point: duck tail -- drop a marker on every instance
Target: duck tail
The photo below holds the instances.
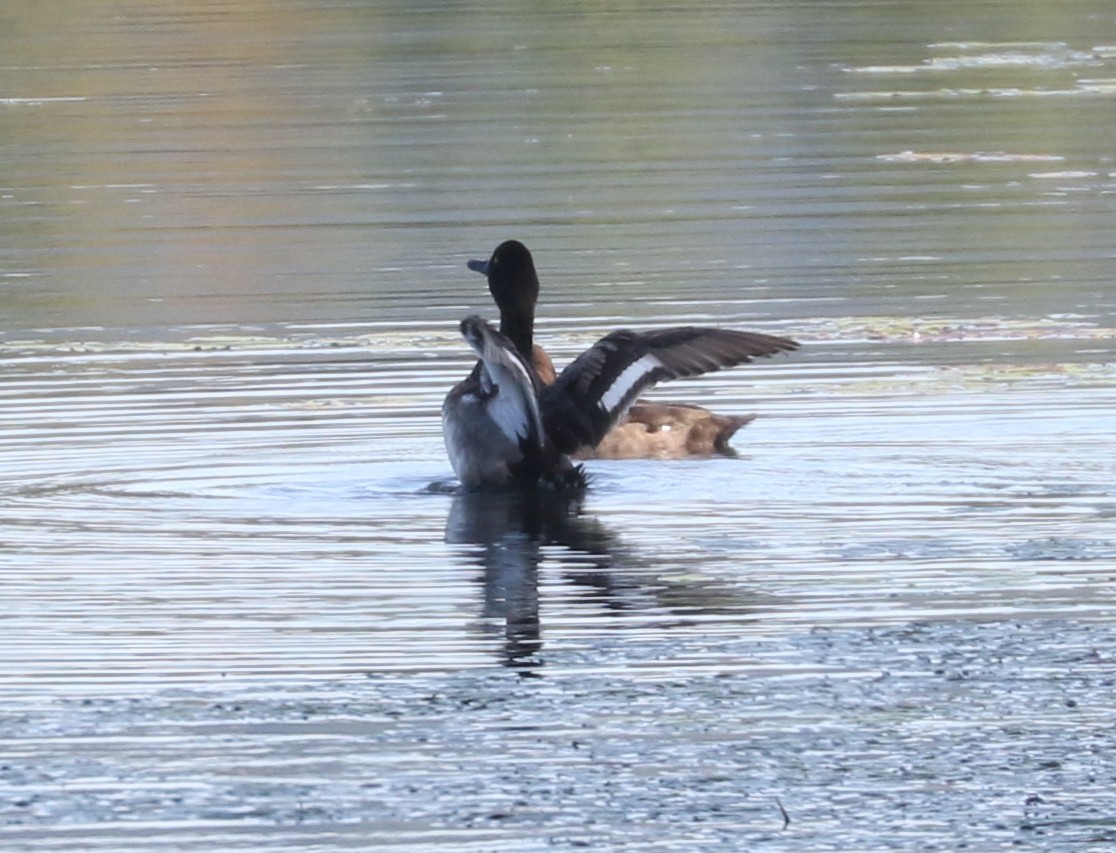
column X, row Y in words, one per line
column 725, row 428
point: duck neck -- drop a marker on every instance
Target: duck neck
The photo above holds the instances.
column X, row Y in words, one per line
column 519, row 327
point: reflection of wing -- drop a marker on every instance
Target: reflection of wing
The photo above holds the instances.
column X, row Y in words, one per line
column 516, row 529
column 510, row 555
column 513, row 528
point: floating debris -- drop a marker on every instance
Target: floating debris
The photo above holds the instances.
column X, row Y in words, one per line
column 980, row 56
column 967, row 157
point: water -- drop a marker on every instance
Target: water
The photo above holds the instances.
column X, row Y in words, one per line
column 244, row 609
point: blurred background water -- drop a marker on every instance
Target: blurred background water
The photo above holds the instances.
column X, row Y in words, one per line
column 232, row 261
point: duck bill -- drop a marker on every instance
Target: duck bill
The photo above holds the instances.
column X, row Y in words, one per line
column 478, row 266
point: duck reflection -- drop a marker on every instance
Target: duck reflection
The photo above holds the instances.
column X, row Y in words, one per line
column 514, row 529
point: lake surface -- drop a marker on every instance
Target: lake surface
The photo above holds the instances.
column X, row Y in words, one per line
column 243, row 607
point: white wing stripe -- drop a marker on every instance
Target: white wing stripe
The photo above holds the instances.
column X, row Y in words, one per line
column 627, row 380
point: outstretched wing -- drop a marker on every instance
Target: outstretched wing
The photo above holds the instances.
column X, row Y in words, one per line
column 507, row 384
column 595, row 391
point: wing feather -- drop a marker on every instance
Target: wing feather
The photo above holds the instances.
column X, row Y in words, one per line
column 507, row 382
column 595, row 391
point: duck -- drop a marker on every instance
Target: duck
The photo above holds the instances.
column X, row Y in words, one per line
column 504, row 426
column 649, row 429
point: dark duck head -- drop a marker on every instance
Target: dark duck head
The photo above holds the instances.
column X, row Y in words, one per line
column 650, row 429
column 504, row 426
column 514, row 285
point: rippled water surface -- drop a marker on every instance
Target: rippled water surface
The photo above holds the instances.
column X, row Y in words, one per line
column 244, row 607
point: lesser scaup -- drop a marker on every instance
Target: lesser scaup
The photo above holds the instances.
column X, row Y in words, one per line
column 503, row 425
column 649, row 428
